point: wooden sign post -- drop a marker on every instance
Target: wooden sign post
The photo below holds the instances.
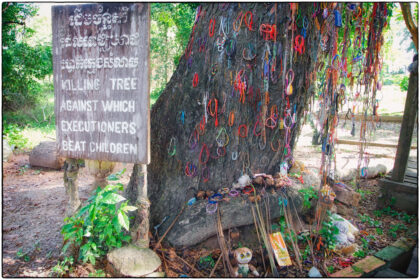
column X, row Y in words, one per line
column 101, row 81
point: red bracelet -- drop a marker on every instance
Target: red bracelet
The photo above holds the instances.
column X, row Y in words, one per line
column 247, row 190
column 248, row 23
column 214, row 113
column 211, row 27
column 220, row 154
column 246, row 131
column 190, row 169
column 206, row 175
column 299, row 46
column 195, row 80
column 207, row 152
column 255, row 126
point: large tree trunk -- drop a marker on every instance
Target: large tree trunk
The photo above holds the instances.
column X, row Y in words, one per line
column 182, row 106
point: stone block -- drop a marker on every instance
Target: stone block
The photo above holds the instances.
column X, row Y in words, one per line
column 45, row 155
column 404, row 243
column 413, row 268
column 7, row 151
column 342, row 209
column 369, row 264
column 348, row 272
column 389, row 273
column 132, row 261
column 346, row 195
column 389, row 253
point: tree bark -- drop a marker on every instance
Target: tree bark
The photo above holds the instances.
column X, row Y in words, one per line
column 136, row 193
column 411, row 26
column 183, row 105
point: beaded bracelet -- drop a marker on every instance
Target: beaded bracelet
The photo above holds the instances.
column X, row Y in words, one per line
column 215, row 198
column 233, row 193
column 247, row 190
column 211, row 208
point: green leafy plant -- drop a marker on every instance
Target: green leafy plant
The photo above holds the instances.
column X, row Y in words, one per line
column 330, row 269
column 359, row 254
column 14, row 137
column 63, row 267
column 207, row 261
column 329, row 232
column 357, row 269
column 23, row 255
column 308, row 195
column 378, row 213
column 407, row 218
column 392, row 201
column 306, row 252
column 98, row 226
column 117, row 176
column 97, row 273
column 396, row 228
column 365, row 243
column 379, row 231
column 363, row 193
column 22, row 170
column 404, row 84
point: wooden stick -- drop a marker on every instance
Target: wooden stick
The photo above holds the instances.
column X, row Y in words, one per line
column 190, row 266
column 169, row 228
column 222, row 244
column 214, row 268
column 258, row 236
column 164, row 263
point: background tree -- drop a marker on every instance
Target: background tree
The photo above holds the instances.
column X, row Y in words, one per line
column 24, row 65
column 411, row 20
column 171, row 25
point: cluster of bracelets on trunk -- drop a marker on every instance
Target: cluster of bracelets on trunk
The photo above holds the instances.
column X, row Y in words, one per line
column 214, row 199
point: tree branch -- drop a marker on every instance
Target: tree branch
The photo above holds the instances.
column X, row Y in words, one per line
column 411, row 26
column 13, row 22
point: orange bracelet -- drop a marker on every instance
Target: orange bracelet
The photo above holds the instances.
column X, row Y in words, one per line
column 231, row 118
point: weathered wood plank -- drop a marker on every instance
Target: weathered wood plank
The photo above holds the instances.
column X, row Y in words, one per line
column 358, row 117
column 398, row 186
column 408, row 174
column 373, row 144
column 101, row 81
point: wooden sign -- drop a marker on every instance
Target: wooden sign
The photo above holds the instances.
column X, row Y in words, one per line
column 101, row 81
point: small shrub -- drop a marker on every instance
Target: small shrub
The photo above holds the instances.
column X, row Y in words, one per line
column 63, row 267
column 99, row 226
column 14, row 137
column 329, row 232
column 404, row 84
column 308, row 195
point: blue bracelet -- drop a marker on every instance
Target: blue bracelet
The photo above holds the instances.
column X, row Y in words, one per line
column 212, row 199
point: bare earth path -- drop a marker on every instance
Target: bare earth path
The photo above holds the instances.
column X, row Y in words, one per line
column 33, row 211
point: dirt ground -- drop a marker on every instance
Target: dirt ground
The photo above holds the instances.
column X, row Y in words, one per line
column 34, row 202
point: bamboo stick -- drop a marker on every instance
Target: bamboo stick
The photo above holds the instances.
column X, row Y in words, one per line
column 169, row 228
